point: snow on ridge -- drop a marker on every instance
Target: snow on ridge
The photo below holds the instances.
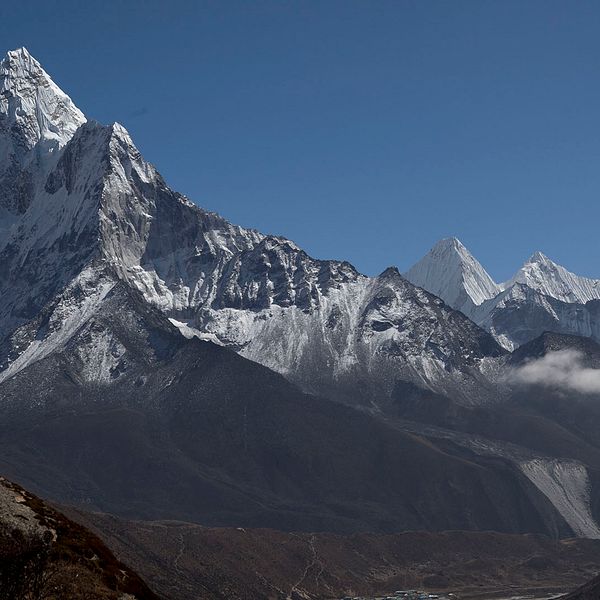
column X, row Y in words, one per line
column 186, row 261
column 37, row 120
column 191, row 332
column 549, row 294
column 551, row 279
column 451, row 272
column 78, row 304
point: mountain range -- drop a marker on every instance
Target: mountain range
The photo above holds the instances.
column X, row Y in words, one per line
column 541, row 296
column 159, row 362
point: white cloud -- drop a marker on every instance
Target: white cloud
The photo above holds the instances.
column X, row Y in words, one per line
column 561, row 369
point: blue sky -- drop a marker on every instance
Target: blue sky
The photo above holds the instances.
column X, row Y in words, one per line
column 363, row 131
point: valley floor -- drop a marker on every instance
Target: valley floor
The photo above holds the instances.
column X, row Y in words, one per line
column 245, row 564
column 466, row 595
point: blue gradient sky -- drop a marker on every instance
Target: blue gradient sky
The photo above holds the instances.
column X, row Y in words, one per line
column 362, row 130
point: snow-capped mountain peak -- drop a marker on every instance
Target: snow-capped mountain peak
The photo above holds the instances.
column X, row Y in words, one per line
column 30, row 100
column 542, row 274
column 451, row 272
column 542, row 295
column 539, row 257
column 37, row 120
column 83, row 217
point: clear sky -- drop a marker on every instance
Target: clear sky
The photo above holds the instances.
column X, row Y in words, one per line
column 361, row 130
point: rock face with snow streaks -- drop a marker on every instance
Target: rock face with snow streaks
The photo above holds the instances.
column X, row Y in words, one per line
column 546, row 277
column 36, row 120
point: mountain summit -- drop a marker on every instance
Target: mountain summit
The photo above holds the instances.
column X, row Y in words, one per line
column 451, row 272
column 36, row 119
column 545, row 276
column 33, row 104
column 541, row 296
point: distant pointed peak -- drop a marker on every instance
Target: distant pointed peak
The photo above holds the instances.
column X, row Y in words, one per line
column 19, row 50
column 448, row 251
column 547, row 277
column 451, row 247
column 539, row 257
column 120, row 138
column 19, row 54
column 390, row 272
column 540, row 260
column 451, row 272
column 449, row 243
column 118, row 131
column 19, row 63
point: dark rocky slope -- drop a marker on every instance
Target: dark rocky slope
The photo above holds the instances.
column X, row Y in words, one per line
column 45, row 555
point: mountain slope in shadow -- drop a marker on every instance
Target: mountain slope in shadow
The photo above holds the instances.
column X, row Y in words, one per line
column 166, row 427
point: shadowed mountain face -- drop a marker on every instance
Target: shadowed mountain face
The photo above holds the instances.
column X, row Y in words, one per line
column 552, row 342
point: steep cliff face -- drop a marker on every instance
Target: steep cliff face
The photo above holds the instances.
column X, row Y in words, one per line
column 36, row 120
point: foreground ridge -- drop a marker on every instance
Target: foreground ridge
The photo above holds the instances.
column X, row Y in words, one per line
column 44, row 554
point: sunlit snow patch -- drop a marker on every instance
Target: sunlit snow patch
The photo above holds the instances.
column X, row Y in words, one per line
column 190, row 332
